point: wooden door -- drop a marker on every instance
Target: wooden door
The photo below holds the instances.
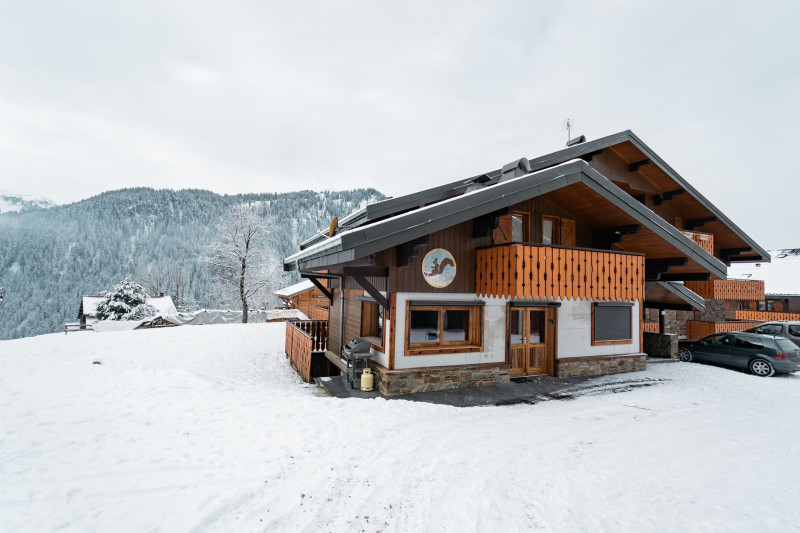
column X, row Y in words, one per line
column 531, row 340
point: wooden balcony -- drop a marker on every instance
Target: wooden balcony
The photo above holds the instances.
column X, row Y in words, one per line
column 696, row 329
column 728, row 289
column 703, row 240
column 650, row 326
column 763, row 316
column 304, row 340
column 546, row 272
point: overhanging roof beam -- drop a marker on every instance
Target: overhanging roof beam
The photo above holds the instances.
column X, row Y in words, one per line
column 633, row 167
column 358, row 274
column 686, row 276
column 313, row 279
column 697, row 222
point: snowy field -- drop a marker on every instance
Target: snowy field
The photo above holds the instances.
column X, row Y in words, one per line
column 207, row 428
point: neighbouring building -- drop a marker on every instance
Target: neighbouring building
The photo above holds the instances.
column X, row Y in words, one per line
column 305, row 297
column 545, row 266
column 87, row 312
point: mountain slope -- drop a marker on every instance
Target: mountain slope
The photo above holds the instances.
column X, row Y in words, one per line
column 49, row 258
column 11, row 202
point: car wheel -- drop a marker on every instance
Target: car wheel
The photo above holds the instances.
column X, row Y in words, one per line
column 685, row 355
column 761, row 367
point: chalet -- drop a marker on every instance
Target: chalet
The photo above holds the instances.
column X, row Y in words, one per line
column 305, row 297
column 544, row 266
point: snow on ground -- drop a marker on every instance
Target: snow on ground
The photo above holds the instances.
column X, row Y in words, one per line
column 207, row 428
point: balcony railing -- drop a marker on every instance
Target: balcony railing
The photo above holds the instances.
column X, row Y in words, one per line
column 703, row 240
column 303, row 338
column 763, row 316
column 695, row 329
column 728, row 289
column 534, row 271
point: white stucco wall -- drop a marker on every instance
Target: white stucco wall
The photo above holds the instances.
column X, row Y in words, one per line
column 574, row 333
column 494, row 326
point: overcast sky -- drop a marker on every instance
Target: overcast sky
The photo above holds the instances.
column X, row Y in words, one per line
column 256, row 96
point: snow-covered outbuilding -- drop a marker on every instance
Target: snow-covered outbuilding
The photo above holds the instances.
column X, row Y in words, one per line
column 87, row 312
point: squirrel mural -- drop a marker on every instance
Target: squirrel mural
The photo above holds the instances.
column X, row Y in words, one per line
column 438, row 268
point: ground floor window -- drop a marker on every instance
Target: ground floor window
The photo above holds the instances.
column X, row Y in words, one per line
column 443, row 328
column 372, row 322
column 612, row 323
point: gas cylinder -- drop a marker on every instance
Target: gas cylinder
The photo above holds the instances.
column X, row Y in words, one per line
column 367, row 380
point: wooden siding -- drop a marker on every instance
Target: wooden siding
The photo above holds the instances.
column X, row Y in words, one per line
column 728, row 289
column 763, row 316
column 352, row 319
column 652, row 327
column 696, row 329
column 320, row 313
column 703, row 240
column 549, row 272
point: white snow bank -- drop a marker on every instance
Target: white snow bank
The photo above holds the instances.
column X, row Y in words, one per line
column 209, row 429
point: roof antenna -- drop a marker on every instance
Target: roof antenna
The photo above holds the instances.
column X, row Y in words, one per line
column 567, row 124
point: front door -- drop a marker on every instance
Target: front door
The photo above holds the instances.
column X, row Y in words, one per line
column 531, row 340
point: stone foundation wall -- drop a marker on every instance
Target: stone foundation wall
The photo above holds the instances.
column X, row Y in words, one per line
column 657, row 345
column 392, row 382
column 599, row 366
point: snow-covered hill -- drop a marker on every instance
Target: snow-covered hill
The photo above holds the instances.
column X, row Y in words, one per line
column 201, row 428
column 14, row 202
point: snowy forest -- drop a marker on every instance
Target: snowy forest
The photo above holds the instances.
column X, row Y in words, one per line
column 49, row 258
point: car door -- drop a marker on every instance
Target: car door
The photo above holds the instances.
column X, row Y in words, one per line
column 745, row 348
column 716, row 348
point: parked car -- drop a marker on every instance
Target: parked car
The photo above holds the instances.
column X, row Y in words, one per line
column 782, row 328
column 763, row 355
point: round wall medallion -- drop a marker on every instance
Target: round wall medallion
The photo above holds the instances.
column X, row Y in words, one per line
column 439, row 268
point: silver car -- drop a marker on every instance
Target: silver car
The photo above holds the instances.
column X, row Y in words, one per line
column 787, row 329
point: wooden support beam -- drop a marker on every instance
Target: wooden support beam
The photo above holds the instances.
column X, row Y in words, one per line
column 408, row 250
column 588, row 157
column 697, row 222
column 328, row 294
column 372, row 291
column 603, row 239
column 726, row 254
column 633, row 167
column 687, row 276
column 669, row 195
column 655, row 269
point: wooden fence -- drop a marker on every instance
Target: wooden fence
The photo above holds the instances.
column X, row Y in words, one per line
column 703, row 240
column 763, row 316
column 728, row 289
column 302, row 339
column 696, row 329
column 529, row 271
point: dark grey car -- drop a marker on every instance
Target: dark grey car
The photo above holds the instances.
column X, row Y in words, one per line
column 763, row 355
column 782, row 328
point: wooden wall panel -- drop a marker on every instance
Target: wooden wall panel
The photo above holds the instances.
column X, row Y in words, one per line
column 728, row 289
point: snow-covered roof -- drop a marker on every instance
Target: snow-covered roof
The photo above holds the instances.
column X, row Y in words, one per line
column 294, row 290
column 163, row 304
column 781, row 277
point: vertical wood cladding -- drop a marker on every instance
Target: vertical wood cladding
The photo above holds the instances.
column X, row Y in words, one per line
column 539, row 207
column 352, row 319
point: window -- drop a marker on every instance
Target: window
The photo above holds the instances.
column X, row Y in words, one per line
column 794, row 330
column 768, row 329
column 558, row 231
column 447, row 328
column 549, row 230
column 512, row 228
column 612, row 323
column 372, row 322
column 749, row 343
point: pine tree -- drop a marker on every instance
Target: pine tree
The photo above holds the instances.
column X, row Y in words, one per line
column 127, row 302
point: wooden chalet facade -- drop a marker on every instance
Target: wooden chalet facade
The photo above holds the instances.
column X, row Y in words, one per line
column 542, row 267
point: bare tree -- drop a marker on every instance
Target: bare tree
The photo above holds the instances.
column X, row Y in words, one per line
column 242, row 253
column 164, row 277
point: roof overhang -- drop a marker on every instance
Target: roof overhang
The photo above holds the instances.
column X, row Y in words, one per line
column 672, row 295
column 576, row 175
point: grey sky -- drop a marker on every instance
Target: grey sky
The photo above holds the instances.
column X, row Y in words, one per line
column 255, row 96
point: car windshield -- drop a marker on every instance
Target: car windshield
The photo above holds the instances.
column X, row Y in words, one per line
column 786, row 345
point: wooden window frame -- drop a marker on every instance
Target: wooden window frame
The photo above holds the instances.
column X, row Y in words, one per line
column 472, row 344
column 556, row 237
column 614, row 341
column 377, row 342
column 526, row 227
